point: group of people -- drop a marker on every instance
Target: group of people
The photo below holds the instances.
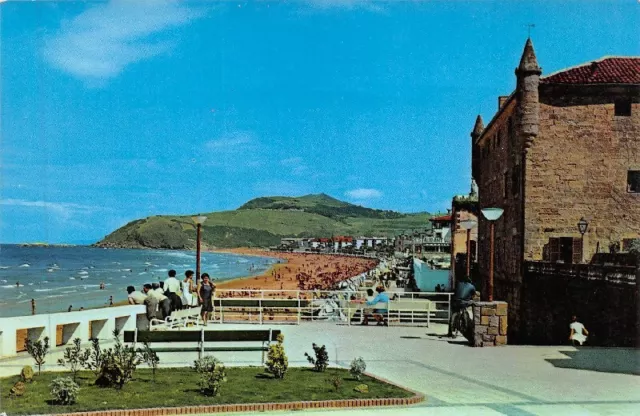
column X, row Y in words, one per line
column 162, row 298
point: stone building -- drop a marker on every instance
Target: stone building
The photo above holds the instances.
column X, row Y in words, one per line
column 559, row 148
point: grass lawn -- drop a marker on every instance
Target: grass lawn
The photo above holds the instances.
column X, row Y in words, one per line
column 178, row 387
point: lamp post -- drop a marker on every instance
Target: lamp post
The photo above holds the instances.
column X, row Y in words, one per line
column 491, row 214
column 468, row 225
column 198, row 220
column 582, row 227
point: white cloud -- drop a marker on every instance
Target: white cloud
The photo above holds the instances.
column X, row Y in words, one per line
column 363, row 193
column 64, row 210
column 100, row 42
column 296, row 164
column 292, row 161
column 231, row 142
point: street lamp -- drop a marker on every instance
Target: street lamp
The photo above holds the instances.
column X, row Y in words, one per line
column 582, row 227
column 491, row 214
column 468, row 225
column 198, row 220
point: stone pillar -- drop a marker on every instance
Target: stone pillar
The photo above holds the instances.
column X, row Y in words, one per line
column 490, row 324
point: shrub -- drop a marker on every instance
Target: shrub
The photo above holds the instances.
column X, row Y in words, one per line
column 321, row 361
column 118, row 365
column 73, row 357
column 277, row 361
column 38, row 350
column 212, row 375
column 358, row 366
column 92, row 357
column 336, row 382
column 150, row 357
column 26, row 375
column 64, row 390
column 17, row 390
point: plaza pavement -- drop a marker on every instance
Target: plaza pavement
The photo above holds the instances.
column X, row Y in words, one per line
column 456, row 379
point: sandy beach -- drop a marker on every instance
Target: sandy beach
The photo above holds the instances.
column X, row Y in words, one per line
column 298, row 271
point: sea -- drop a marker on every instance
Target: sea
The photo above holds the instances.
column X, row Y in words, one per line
column 63, row 278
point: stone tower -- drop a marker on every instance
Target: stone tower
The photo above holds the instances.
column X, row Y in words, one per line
column 475, row 151
column 528, row 109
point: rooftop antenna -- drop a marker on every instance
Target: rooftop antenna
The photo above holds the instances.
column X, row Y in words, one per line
column 529, row 27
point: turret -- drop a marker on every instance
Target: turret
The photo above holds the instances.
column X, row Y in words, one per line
column 475, row 152
column 528, row 109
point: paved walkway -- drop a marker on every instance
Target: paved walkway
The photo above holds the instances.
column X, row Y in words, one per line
column 455, row 378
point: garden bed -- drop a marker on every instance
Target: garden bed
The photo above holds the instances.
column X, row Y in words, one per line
column 177, row 387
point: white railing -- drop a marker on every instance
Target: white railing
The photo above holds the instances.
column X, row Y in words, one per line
column 296, row 306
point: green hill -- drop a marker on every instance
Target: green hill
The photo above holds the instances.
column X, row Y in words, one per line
column 262, row 222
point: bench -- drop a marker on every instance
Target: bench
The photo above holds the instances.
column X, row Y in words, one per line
column 202, row 336
column 395, row 309
column 178, row 319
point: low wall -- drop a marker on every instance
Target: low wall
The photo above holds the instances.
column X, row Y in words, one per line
column 608, row 309
column 62, row 328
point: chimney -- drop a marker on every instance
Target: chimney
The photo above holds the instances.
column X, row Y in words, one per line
column 501, row 100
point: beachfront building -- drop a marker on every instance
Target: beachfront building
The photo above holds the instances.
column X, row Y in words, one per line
column 464, row 208
column 341, row 242
column 559, row 149
column 370, row 242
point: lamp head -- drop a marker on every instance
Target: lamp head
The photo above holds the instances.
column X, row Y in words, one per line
column 199, row 219
column 492, row 214
column 468, row 224
column 583, row 224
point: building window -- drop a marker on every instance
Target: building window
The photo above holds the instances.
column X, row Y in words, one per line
column 563, row 250
column 515, row 181
column 633, row 181
column 623, row 108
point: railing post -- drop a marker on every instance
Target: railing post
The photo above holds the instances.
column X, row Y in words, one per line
column 260, row 309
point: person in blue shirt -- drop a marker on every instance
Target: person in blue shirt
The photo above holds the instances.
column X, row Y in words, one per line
column 378, row 314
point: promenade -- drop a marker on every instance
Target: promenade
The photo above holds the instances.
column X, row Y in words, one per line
column 456, row 379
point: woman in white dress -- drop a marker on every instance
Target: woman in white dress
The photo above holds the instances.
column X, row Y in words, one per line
column 189, row 297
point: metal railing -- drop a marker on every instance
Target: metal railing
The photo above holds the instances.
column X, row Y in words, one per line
column 297, row 306
column 614, row 274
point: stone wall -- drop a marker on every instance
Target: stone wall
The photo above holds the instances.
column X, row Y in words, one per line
column 490, row 324
column 609, row 311
column 577, row 167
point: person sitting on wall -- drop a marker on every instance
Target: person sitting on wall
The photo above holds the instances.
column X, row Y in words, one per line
column 579, row 333
column 135, row 297
column 378, row 314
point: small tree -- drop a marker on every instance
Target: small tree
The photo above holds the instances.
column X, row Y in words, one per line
column 150, row 357
column 38, row 350
column 336, row 382
column 277, row 361
column 73, row 358
column 64, row 390
column 212, row 375
column 118, row 364
column 358, row 367
column 92, row 357
column 321, row 361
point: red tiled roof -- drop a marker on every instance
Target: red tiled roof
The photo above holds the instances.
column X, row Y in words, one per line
column 441, row 218
column 607, row 70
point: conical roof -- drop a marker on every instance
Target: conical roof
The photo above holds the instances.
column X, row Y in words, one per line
column 478, row 127
column 529, row 62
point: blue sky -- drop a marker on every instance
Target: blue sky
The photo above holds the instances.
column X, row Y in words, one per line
column 119, row 110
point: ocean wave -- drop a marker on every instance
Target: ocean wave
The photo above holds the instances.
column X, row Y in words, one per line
column 83, row 272
column 162, row 270
column 8, row 286
column 179, row 255
column 72, row 278
column 43, row 290
column 25, row 265
column 141, row 273
column 4, row 267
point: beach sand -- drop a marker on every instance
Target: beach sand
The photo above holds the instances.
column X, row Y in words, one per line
column 300, row 271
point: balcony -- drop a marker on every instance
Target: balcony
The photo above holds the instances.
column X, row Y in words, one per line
column 614, row 274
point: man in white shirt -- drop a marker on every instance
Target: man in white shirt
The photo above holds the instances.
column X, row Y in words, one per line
column 579, row 333
column 135, row 297
column 172, row 290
